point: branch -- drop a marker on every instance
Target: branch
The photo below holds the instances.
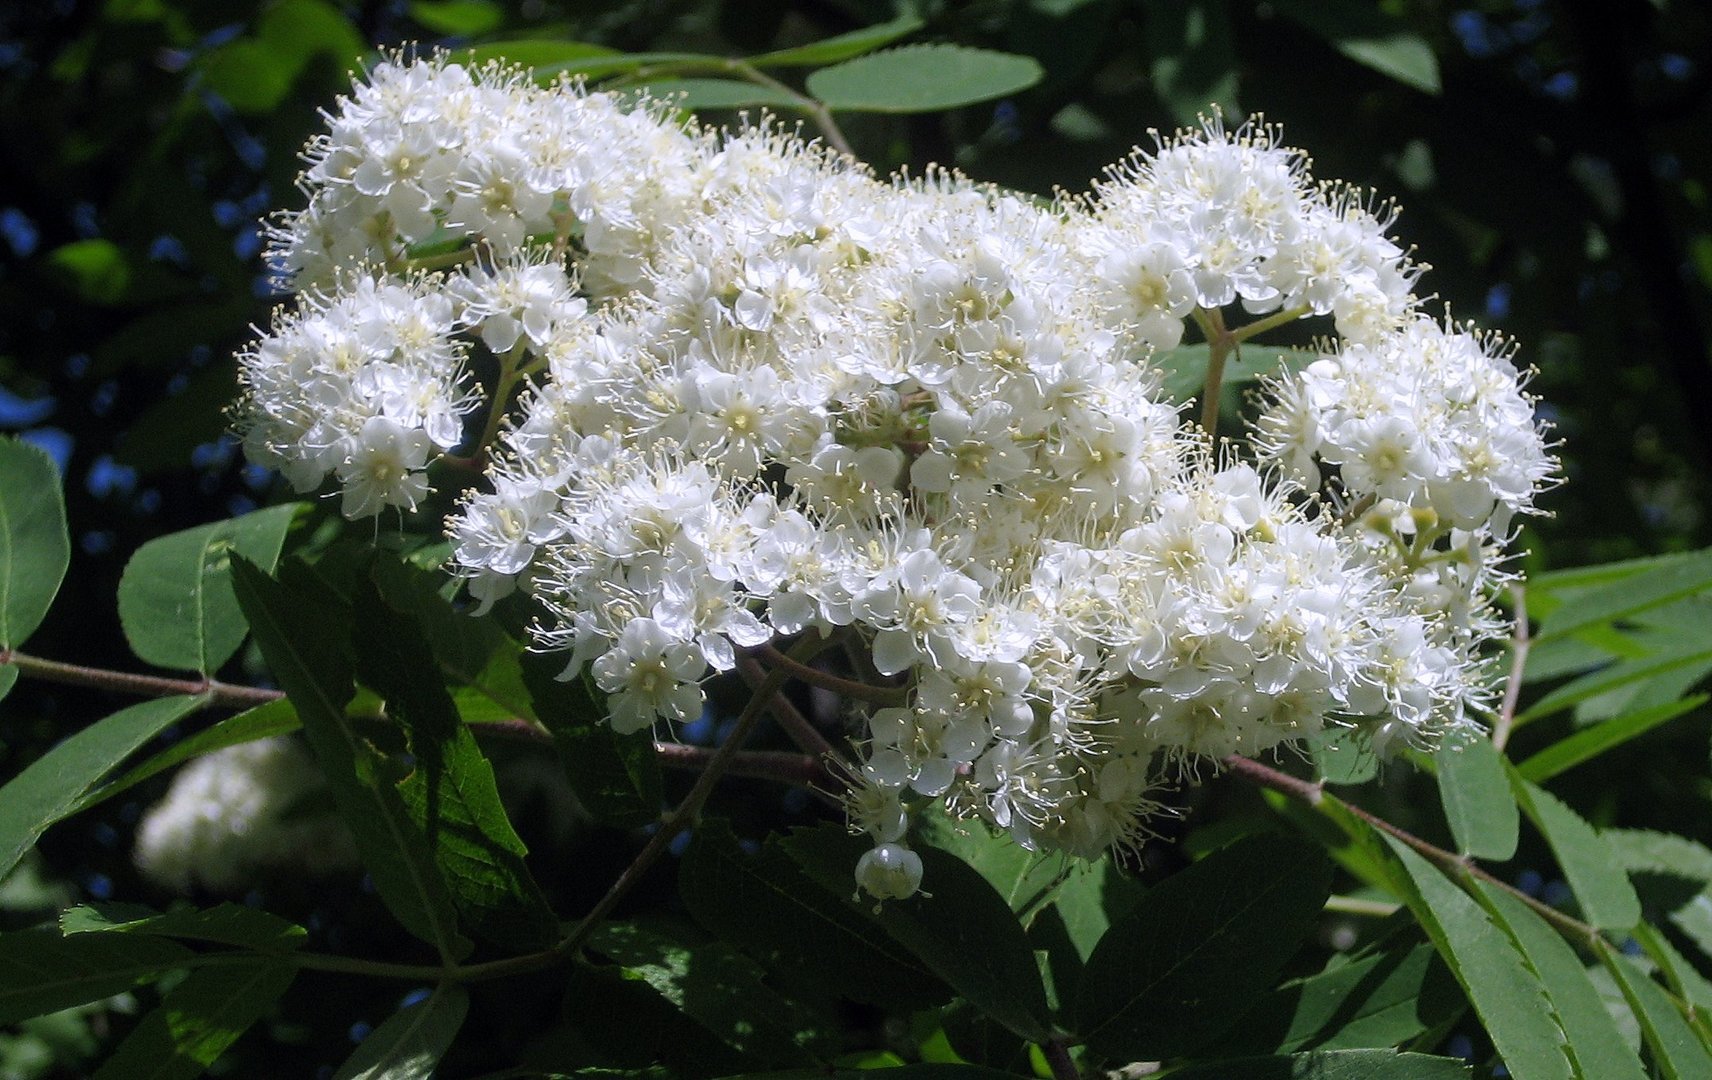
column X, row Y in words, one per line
column 1518, row 661
column 850, row 688
column 796, row 725
column 124, row 682
column 1452, row 864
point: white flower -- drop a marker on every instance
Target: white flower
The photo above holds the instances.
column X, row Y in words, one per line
column 649, row 673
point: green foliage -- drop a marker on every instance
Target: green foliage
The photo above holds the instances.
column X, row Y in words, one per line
column 34, row 547
column 197, row 1020
column 922, row 78
column 412, row 1040
column 1189, row 957
column 175, row 600
column 1477, row 799
column 52, row 786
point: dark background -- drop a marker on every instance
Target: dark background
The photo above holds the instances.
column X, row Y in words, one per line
column 1552, row 160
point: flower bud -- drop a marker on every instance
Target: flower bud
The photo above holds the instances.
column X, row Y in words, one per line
column 889, row 872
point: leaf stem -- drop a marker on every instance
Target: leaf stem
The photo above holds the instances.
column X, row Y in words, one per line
column 1519, row 640
column 1220, row 343
column 1457, row 867
column 1056, row 1050
column 125, row 682
column 850, row 688
column 1271, row 322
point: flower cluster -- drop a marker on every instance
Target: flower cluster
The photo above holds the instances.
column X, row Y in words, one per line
column 770, row 397
column 239, row 813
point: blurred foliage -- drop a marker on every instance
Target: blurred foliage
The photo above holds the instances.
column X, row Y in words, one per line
column 1552, row 160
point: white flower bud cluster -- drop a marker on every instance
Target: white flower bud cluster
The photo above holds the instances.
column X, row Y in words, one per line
column 771, row 395
column 237, row 814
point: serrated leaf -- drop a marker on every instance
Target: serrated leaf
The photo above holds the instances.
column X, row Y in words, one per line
column 1331, row 1065
column 1185, row 367
column 842, row 46
column 198, row 1019
column 1646, row 585
column 1594, row 1041
column 175, row 598
column 1386, row 997
column 42, row 972
column 1370, row 36
column 1196, row 950
column 922, row 78
column 451, row 793
column 412, row 1040
column 721, row 989
column 51, row 787
column 1671, row 1043
column 1593, row 872
column 766, row 904
column 1504, row 992
column 292, row 627
column 1477, row 799
column 262, row 722
column 1024, row 878
column 35, row 548
column 958, row 927
column 1621, row 674
column 616, row 777
column 1589, row 743
column 225, row 924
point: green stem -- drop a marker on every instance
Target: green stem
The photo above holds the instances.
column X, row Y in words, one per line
column 1271, row 322
column 1220, row 344
column 1519, row 641
column 1354, row 905
column 817, row 112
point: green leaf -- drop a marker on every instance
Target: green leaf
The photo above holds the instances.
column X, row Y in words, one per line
column 1343, row 756
column 721, row 989
column 1504, row 992
column 766, row 904
column 1370, row 36
column 412, row 1040
column 42, row 972
column 34, row 546
column 1671, row 1043
column 1193, row 64
column 1595, row 1044
column 534, row 53
column 1593, row 872
column 460, row 18
column 696, row 94
column 51, row 787
column 842, row 46
column 1589, row 743
column 958, row 927
column 198, row 1019
column 175, row 598
column 1181, row 967
column 922, row 78
column 616, row 777
column 1646, row 585
column 8, row 677
column 1024, row 878
column 451, row 793
column 1185, row 367
column 226, row 924
column 1476, row 796
column 262, row 722
column 1090, row 900
column 292, row 627
column 1331, row 1065
column 1620, row 674
column 1386, row 997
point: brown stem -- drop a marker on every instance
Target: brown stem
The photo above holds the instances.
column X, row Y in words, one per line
column 795, row 724
column 125, row 682
column 1220, row 343
column 780, row 765
column 1518, row 661
column 1455, row 865
column 850, row 688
